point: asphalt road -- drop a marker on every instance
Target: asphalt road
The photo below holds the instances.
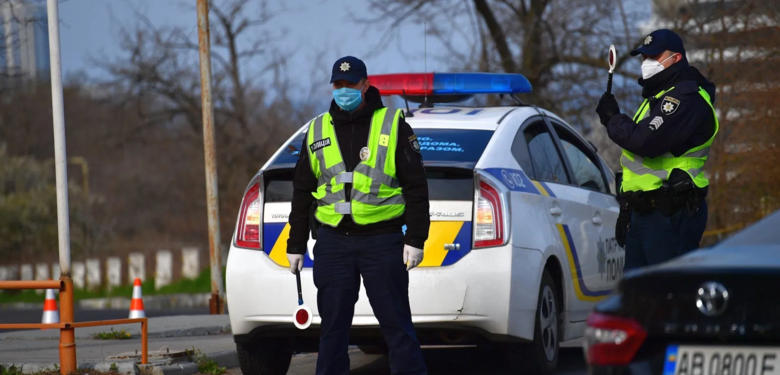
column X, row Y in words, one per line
column 34, row 316
column 461, row 361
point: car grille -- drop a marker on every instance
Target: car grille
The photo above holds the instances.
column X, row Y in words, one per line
column 665, row 304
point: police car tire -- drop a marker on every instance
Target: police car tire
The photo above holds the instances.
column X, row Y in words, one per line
column 270, row 356
column 534, row 360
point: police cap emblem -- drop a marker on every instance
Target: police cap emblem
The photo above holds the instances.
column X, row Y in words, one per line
column 344, row 66
column 648, row 40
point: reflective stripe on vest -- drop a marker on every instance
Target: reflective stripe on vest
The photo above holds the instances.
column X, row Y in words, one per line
column 647, row 174
column 376, row 193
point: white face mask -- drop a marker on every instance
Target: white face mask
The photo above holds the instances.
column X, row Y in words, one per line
column 650, row 67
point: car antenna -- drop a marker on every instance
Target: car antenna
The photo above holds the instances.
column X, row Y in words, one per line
column 406, row 100
column 518, row 100
column 425, row 103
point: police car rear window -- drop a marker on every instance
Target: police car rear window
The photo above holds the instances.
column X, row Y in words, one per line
column 437, row 145
column 289, row 156
column 452, row 145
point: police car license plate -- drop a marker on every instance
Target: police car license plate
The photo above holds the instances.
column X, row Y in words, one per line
column 722, row 360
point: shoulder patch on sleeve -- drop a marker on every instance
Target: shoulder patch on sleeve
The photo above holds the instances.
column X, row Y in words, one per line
column 414, row 143
column 669, row 105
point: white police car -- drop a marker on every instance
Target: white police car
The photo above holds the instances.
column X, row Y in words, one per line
column 521, row 242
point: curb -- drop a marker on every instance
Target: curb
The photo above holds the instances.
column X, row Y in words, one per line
column 200, row 331
column 150, row 302
column 227, row 359
column 121, row 303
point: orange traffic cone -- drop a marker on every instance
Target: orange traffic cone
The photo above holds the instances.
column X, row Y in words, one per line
column 50, row 312
column 137, row 303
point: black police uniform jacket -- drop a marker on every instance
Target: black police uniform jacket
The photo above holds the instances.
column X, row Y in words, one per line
column 690, row 125
column 352, row 132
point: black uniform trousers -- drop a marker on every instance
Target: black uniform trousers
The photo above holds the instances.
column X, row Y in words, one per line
column 654, row 238
column 339, row 263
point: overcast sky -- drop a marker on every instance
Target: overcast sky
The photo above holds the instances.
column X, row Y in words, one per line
column 91, row 28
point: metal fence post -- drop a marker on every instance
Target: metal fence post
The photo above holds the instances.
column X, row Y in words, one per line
column 216, row 305
column 67, row 336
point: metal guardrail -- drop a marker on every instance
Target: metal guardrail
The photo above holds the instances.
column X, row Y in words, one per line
column 67, row 326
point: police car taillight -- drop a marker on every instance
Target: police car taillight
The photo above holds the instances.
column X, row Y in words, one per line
column 489, row 224
column 611, row 340
column 249, row 219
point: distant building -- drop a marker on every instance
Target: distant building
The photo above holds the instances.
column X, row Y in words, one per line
column 24, row 42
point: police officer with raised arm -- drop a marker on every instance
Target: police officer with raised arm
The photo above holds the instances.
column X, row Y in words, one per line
column 362, row 169
column 665, row 146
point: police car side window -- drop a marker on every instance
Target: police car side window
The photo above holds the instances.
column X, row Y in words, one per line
column 584, row 165
column 546, row 163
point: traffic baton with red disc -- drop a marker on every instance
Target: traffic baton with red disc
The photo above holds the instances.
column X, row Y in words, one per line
column 302, row 315
column 612, row 60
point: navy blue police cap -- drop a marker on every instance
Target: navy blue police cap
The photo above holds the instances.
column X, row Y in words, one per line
column 349, row 68
column 659, row 41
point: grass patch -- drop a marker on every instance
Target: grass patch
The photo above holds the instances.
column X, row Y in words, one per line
column 113, row 335
column 13, row 370
column 202, row 284
column 205, row 364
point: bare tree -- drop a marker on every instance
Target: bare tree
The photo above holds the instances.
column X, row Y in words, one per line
column 735, row 43
column 560, row 46
column 158, row 74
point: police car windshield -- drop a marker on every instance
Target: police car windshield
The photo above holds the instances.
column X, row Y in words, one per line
column 436, row 145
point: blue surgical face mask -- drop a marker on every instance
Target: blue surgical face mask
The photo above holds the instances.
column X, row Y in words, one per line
column 348, row 98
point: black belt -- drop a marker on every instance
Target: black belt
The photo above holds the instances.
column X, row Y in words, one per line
column 668, row 199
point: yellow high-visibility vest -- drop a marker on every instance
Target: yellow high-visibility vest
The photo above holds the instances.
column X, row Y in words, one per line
column 647, row 174
column 376, row 193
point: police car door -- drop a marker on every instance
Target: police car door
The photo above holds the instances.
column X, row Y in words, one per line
column 588, row 226
column 548, row 173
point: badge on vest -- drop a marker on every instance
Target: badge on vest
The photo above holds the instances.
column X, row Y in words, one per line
column 414, row 143
column 365, row 153
column 319, row 144
column 669, row 105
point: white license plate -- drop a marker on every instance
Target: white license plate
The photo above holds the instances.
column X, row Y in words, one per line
column 722, row 360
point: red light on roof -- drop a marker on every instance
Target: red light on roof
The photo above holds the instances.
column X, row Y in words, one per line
column 403, row 84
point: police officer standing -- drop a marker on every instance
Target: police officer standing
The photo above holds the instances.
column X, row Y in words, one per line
column 361, row 166
column 665, row 146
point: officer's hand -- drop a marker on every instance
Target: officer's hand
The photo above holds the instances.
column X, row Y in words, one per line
column 621, row 228
column 607, row 108
column 296, row 262
column 412, row 257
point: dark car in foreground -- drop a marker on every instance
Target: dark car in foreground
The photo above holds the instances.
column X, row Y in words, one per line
column 714, row 311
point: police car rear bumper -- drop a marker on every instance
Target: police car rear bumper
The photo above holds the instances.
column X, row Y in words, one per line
column 491, row 292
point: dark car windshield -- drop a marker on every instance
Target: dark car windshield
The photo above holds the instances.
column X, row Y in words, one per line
column 763, row 232
column 436, row 145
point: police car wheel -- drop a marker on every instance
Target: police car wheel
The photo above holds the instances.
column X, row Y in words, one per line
column 270, row 356
column 542, row 355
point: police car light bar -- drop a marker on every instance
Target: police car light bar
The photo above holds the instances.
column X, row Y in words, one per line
column 450, row 83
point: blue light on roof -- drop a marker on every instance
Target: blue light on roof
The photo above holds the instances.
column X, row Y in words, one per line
column 450, row 83
column 479, row 83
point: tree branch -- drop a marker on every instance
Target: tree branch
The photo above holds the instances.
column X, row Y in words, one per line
column 497, row 35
